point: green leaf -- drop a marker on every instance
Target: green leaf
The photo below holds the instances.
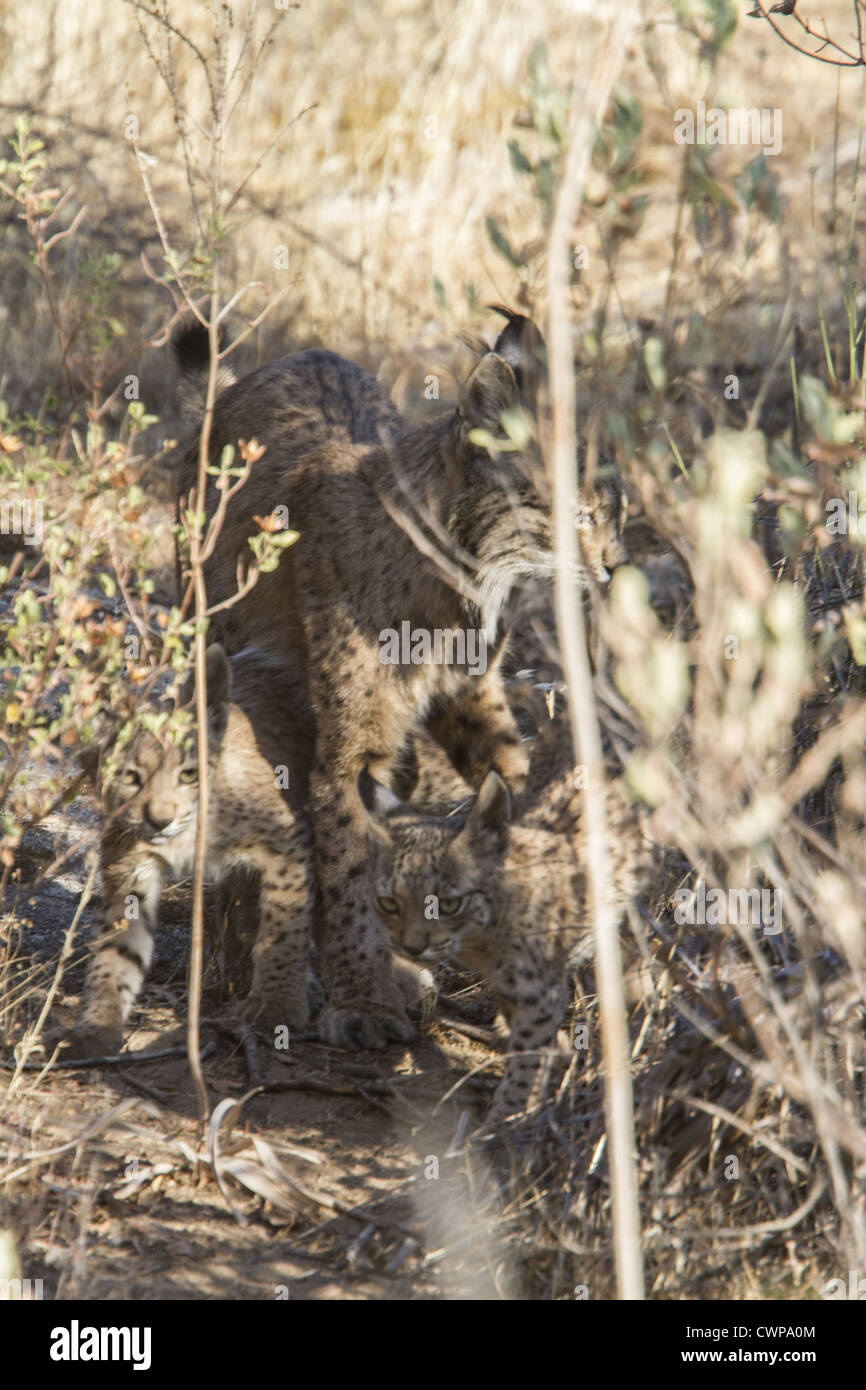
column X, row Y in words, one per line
column 439, row 293
column 855, row 630
column 516, row 426
column 282, row 539
column 654, row 362
column 483, row 439
column 501, row 242
column 153, row 720
column 626, row 116
column 519, row 161
column 701, row 184
column 724, row 22
column 757, row 187
column 831, row 424
column 547, row 105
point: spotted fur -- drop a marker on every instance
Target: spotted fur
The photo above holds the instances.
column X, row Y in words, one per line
column 150, row 810
column 508, row 901
column 381, row 507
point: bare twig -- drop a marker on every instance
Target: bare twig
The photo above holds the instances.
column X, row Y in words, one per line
column 587, row 111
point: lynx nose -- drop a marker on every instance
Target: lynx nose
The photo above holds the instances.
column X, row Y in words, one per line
column 411, row 949
column 156, row 817
column 615, row 554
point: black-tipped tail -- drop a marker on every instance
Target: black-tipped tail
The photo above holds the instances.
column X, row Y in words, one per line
column 190, row 344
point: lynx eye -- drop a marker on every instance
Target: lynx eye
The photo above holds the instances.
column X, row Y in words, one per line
column 188, row 774
column 389, row 906
column 130, row 778
column 449, row 906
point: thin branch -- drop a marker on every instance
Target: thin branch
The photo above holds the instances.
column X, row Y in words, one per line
column 852, row 60
column 191, row 303
column 253, row 324
column 237, row 296
column 586, row 116
column 265, row 152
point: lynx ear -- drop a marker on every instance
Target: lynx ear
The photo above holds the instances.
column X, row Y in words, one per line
column 91, row 756
column 490, row 817
column 218, row 675
column 376, row 799
column 486, row 394
column 521, row 345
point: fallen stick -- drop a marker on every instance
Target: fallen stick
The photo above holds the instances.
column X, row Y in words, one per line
column 82, row 1063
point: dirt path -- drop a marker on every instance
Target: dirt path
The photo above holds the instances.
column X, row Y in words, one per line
column 110, row 1202
column 125, row 1214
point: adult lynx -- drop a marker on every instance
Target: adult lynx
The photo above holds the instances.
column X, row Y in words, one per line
column 399, row 525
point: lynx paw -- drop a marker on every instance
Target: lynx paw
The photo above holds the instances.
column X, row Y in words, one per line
column 362, row 1027
column 265, row 1014
column 87, row 1040
column 417, row 986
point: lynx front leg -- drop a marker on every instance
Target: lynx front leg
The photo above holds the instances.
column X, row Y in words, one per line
column 363, row 718
column 365, row 1006
column 120, row 958
column 279, row 994
column 477, row 730
column 534, row 1010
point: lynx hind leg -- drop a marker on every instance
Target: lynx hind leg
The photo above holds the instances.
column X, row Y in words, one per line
column 280, row 991
column 238, row 914
column 120, row 958
column 365, row 1006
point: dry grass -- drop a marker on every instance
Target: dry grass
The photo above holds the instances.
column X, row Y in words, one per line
column 747, row 1046
column 370, row 203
